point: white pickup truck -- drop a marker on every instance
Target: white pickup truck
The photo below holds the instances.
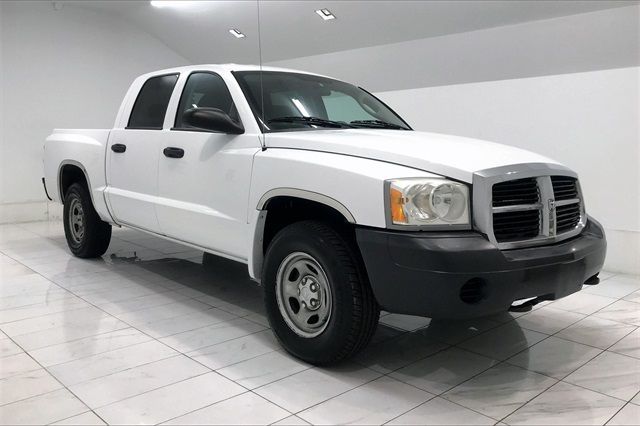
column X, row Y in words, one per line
column 338, row 208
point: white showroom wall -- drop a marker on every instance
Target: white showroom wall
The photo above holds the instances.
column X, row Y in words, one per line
column 60, row 68
column 584, row 42
column 567, row 88
column 1, row 110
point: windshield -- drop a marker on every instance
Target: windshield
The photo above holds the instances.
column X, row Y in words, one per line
column 295, row 101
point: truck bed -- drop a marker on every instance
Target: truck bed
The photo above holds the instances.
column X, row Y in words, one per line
column 83, row 148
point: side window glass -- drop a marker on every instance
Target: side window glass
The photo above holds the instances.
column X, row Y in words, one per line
column 205, row 90
column 151, row 105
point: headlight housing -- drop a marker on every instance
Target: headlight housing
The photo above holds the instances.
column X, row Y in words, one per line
column 428, row 202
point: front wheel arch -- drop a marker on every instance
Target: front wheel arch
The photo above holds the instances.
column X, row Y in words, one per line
column 280, row 211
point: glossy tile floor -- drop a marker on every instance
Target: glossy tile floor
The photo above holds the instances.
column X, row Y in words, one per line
column 148, row 334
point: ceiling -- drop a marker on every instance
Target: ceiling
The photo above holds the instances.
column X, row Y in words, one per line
column 289, row 29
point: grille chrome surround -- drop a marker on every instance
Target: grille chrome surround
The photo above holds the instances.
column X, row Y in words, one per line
column 509, row 220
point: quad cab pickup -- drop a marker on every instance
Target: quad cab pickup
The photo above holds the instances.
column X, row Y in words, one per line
column 338, row 208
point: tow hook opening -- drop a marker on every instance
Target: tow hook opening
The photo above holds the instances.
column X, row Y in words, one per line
column 592, row 280
column 526, row 305
column 473, row 291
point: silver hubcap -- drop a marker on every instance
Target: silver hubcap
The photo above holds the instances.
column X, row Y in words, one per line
column 304, row 295
column 76, row 220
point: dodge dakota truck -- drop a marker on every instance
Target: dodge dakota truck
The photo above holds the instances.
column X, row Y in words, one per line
column 338, row 208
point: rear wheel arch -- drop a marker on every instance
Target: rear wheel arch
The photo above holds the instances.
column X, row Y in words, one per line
column 71, row 172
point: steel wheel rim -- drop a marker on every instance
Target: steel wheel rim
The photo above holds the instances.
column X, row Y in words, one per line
column 76, row 220
column 303, row 294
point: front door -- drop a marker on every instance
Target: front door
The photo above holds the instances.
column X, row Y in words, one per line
column 204, row 177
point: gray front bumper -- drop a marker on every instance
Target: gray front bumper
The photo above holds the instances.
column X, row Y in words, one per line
column 421, row 273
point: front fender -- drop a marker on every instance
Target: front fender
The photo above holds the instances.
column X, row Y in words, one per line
column 352, row 185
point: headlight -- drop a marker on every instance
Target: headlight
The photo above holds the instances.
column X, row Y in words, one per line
column 428, row 202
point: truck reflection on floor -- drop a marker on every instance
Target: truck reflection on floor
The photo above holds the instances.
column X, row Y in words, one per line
column 399, row 339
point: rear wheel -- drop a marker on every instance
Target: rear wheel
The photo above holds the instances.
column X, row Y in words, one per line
column 87, row 235
column 317, row 296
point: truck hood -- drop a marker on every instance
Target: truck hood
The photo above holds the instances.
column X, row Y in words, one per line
column 451, row 156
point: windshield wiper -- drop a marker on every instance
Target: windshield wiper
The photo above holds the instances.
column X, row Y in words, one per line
column 378, row 124
column 317, row 121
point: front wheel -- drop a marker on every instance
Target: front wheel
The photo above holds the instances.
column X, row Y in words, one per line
column 87, row 235
column 317, row 296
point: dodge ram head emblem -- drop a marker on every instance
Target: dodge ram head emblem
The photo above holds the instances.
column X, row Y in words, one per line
column 552, row 216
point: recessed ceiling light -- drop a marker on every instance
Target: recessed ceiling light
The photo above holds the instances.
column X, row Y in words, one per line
column 172, row 3
column 236, row 33
column 325, row 14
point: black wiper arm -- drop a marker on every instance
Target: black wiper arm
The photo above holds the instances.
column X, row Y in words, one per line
column 378, row 123
column 310, row 120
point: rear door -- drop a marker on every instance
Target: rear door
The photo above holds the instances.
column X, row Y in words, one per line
column 204, row 176
column 133, row 153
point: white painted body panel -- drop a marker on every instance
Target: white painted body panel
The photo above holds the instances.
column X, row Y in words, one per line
column 452, row 156
column 210, row 198
column 132, row 177
column 84, row 148
column 203, row 196
column 356, row 183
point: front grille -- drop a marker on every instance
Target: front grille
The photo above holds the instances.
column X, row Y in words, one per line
column 567, row 217
column 516, row 225
column 535, row 210
column 564, row 188
column 513, row 192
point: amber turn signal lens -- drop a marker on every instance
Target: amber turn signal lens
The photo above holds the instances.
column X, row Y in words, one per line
column 397, row 206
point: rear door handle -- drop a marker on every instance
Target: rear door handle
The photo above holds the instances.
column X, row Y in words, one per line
column 118, row 147
column 172, row 152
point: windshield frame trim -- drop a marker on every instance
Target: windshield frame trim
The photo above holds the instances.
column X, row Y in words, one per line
column 387, row 106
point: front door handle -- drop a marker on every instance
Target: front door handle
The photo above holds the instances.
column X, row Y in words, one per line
column 118, row 147
column 172, row 152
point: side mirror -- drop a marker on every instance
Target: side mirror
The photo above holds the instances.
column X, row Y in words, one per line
column 213, row 119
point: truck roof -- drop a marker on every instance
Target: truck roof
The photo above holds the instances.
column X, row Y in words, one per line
column 223, row 68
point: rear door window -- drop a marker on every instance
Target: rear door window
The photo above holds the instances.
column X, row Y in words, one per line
column 151, row 105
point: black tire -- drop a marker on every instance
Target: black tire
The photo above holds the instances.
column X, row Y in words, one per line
column 354, row 310
column 96, row 235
